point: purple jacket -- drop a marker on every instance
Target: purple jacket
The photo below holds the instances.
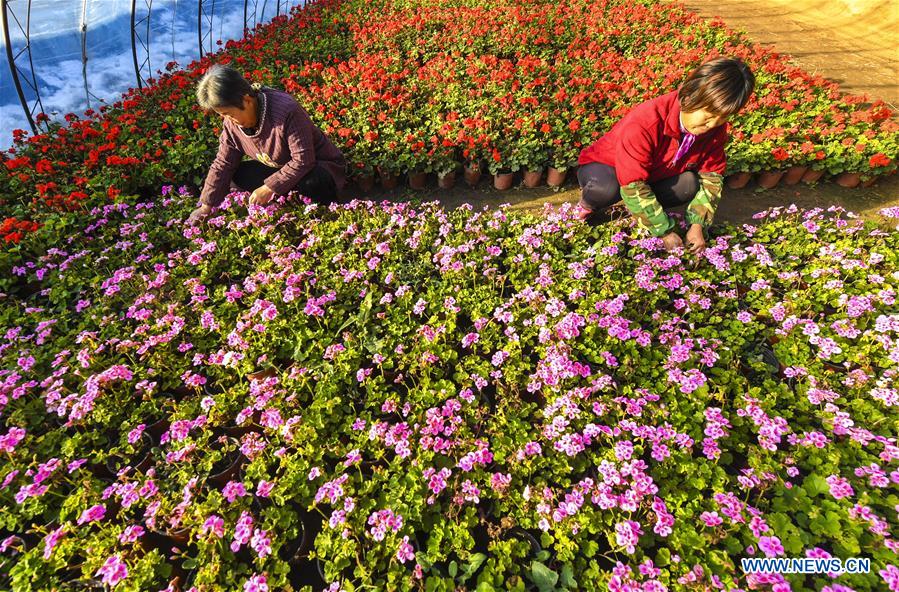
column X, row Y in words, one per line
column 286, row 140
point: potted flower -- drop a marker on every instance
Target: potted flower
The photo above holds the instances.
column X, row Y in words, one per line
column 561, row 159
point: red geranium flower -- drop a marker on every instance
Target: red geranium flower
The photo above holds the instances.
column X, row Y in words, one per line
column 879, row 160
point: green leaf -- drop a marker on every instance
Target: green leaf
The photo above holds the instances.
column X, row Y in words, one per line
column 567, row 580
column 815, row 484
column 663, row 557
column 453, row 569
column 543, row 577
column 476, row 561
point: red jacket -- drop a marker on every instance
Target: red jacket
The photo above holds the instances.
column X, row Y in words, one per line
column 643, row 143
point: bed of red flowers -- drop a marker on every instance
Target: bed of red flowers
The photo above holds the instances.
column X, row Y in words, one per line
column 411, row 88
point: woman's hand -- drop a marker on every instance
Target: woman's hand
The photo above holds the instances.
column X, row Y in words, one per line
column 198, row 215
column 672, row 240
column 262, row 196
column 696, row 239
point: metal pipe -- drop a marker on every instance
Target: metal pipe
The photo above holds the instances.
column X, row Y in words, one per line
column 4, row 21
column 87, row 92
column 200, row 26
column 147, row 42
column 140, row 83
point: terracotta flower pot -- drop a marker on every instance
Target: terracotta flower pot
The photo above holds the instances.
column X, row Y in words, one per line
column 447, row 180
column 418, row 181
column 388, row 179
column 532, row 178
column 738, row 180
column 555, row 177
column 812, row 176
column 769, row 179
column 503, row 181
column 365, row 182
column 794, row 174
column 868, row 182
column 847, row 180
column 472, row 173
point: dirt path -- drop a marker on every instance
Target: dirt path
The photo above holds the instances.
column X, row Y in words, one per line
column 737, row 206
column 852, row 42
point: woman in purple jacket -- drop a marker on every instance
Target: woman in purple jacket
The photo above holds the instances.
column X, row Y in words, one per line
column 290, row 152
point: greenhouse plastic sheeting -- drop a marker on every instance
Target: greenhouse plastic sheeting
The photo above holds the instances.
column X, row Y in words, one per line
column 81, row 50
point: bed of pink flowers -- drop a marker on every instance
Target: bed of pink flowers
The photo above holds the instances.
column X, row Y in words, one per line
column 393, row 396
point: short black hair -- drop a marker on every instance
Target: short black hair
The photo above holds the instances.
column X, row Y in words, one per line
column 721, row 86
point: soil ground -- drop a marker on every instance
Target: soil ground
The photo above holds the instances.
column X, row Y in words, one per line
column 853, row 42
column 737, row 206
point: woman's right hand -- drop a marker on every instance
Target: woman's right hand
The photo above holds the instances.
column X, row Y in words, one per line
column 198, row 215
column 672, row 240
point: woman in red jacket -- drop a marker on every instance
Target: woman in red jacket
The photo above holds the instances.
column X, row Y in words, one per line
column 669, row 151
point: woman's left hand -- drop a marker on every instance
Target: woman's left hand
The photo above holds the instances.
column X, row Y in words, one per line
column 262, row 196
column 695, row 239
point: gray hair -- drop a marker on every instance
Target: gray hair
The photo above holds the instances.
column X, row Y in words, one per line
column 222, row 86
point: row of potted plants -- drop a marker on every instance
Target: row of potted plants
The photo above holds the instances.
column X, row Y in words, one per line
column 471, row 173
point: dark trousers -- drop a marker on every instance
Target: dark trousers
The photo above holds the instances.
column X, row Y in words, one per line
column 600, row 188
column 318, row 184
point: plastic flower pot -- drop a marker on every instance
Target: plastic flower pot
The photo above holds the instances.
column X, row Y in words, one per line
column 739, row 180
column 236, row 431
column 503, row 181
column 848, row 180
column 447, row 180
column 389, row 180
column 555, row 177
column 532, row 178
column 517, row 532
column 163, row 540
column 346, row 574
column 226, row 468
column 365, row 182
column 211, row 389
column 296, row 551
column 418, row 180
column 115, row 463
column 472, row 173
column 812, row 176
column 769, row 179
column 769, row 357
column 177, row 393
column 157, row 428
column 834, row 367
column 794, row 174
column 304, row 572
